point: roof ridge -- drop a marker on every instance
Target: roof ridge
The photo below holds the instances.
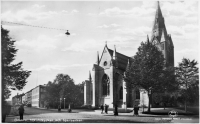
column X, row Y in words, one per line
column 118, row 53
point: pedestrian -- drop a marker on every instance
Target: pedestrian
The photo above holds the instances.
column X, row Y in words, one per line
column 21, row 112
column 102, row 108
column 116, row 110
column 106, row 109
column 59, row 109
column 136, row 109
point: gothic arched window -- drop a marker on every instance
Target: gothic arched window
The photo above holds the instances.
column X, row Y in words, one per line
column 121, row 93
column 105, row 85
column 137, row 92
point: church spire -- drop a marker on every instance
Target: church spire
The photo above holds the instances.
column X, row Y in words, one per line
column 90, row 77
column 115, row 54
column 158, row 10
column 147, row 39
column 159, row 25
column 97, row 62
column 127, row 67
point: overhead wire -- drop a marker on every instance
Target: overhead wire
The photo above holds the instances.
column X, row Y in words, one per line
column 3, row 22
column 67, row 33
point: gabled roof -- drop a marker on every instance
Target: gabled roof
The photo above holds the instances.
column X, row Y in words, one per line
column 122, row 60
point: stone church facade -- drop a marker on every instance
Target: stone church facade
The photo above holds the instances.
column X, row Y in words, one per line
column 106, row 84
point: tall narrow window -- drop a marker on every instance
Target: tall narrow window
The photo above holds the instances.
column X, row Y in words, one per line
column 121, row 93
column 137, row 92
column 105, row 85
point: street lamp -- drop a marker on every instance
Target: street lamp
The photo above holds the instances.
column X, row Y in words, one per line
column 60, row 102
column 143, row 100
column 165, row 98
column 149, row 98
column 64, row 103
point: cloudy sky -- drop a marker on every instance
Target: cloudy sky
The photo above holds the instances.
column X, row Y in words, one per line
column 48, row 52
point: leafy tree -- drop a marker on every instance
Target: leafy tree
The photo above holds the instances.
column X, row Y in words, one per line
column 63, row 87
column 146, row 70
column 79, row 94
column 13, row 75
column 187, row 78
column 51, row 96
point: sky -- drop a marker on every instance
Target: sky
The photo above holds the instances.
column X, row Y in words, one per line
column 48, row 52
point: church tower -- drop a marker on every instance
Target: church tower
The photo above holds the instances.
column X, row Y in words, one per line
column 161, row 38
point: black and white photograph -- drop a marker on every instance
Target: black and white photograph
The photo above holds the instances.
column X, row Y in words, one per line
column 101, row 61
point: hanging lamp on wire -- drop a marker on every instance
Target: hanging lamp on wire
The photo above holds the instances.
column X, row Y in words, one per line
column 67, row 33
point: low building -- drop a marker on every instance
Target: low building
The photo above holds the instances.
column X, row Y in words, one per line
column 26, row 98
column 38, row 96
column 29, row 97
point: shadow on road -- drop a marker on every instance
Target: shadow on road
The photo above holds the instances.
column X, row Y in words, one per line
column 37, row 111
column 134, row 116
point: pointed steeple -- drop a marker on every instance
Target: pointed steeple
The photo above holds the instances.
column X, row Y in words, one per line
column 158, row 10
column 97, row 62
column 147, row 39
column 115, row 54
column 159, row 25
column 128, row 63
column 90, row 77
column 127, row 67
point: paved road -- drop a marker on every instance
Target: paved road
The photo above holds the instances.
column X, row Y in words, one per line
column 85, row 116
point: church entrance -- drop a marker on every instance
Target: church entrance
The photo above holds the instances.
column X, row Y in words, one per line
column 105, row 90
column 105, row 85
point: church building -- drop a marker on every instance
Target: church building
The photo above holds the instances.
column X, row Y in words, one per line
column 106, row 84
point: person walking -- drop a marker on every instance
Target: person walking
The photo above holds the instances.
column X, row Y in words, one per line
column 102, row 108
column 116, row 110
column 106, row 109
column 59, row 108
column 136, row 109
column 21, row 112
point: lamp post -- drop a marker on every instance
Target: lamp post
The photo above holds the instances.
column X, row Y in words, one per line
column 165, row 98
column 149, row 98
column 60, row 102
column 64, row 103
column 143, row 100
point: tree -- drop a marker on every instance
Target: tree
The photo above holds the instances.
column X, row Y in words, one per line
column 63, row 87
column 13, row 75
column 146, row 70
column 187, row 78
column 51, row 97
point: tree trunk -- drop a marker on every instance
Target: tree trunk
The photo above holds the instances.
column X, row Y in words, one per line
column 185, row 106
column 149, row 95
column 186, row 99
